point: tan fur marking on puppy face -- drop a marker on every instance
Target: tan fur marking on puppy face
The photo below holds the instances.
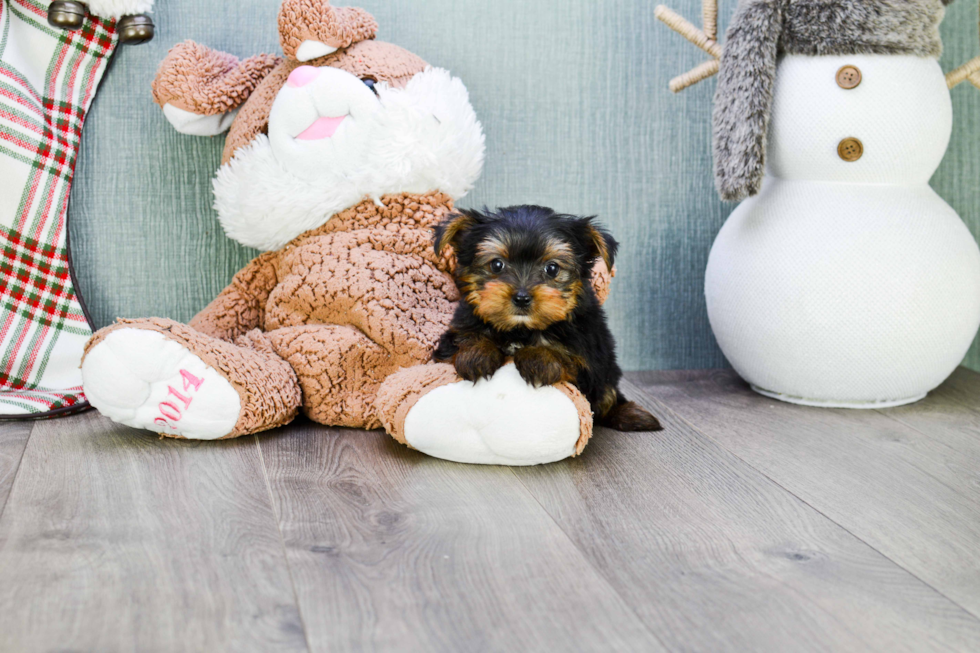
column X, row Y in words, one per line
column 492, row 303
column 470, row 283
column 553, row 300
column 473, row 279
column 490, row 249
column 550, row 305
column 560, row 251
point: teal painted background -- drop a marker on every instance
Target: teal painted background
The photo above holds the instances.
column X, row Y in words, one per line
column 574, row 101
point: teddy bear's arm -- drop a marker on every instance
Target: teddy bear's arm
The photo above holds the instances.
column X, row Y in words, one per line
column 240, row 307
column 199, row 88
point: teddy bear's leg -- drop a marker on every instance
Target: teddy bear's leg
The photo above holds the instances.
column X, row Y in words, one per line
column 501, row 421
column 200, row 89
column 167, row 377
column 339, row 370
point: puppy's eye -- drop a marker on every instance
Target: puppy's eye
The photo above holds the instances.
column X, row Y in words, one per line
column 496, row 266
column 370, row 84
column 552, row 269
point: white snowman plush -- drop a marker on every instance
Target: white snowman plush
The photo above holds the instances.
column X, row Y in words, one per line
column 842, row 279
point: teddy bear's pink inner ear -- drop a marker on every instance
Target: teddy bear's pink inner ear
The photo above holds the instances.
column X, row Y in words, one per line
column 309, row 29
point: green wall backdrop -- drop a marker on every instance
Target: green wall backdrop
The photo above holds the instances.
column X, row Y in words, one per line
column 574, row 102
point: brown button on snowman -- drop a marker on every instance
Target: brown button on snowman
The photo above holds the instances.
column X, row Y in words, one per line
column 848, row 77
column 850, row 149
column 842, row 278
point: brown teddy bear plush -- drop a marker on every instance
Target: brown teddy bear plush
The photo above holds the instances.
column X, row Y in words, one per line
column 341, row 158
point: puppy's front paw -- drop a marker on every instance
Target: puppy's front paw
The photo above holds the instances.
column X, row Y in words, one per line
column 540, row 366
column 478, row 360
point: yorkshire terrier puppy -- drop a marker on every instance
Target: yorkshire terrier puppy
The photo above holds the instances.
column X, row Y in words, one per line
column 524, row 274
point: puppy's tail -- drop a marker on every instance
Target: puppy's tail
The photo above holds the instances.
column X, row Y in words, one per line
column 629, row 416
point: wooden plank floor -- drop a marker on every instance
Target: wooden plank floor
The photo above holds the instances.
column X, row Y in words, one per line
column 747, row 524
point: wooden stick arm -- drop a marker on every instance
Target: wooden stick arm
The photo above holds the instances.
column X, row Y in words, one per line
column 692, row 77
column 703, row 38
column 682, row 26
column 706, row 40
column 709, row 18
column 969, row 70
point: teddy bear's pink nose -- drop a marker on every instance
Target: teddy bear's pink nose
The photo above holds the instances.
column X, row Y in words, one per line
column 302, row 76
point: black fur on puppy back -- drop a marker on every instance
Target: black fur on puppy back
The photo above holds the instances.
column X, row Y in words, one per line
column 524, row 275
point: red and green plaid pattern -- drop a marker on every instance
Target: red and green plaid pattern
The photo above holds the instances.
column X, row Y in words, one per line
column 47, row 80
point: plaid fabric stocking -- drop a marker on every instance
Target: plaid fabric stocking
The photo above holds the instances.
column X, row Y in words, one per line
column 47, row 80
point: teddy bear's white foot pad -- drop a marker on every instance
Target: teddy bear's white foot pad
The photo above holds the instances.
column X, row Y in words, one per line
column 143, row 379
column 501, row 421
column 193, row 124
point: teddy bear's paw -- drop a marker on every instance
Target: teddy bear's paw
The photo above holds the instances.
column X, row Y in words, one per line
column 500, row 421
column 193, row 124
column 200, row 89
column 143, row 379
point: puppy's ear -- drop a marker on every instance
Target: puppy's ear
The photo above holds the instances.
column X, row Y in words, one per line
column 599, row 242
column 448, row 231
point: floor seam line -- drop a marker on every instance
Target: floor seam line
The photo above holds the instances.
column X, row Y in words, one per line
column 860, row 539
column 585, row 557
column 701, row 433
column 282, row 542
column 16, row 472
column 912, row 427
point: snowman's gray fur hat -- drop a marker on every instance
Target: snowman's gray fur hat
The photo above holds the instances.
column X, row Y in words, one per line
column 761, row 30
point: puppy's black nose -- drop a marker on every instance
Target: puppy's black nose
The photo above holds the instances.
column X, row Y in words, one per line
column 522, row 299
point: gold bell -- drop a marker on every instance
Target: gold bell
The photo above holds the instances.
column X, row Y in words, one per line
column 134, row 30
column 67, row 15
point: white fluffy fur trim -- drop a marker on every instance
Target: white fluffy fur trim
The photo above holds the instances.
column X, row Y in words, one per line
column 116, row 9
column 425, row 138
column 261, row 205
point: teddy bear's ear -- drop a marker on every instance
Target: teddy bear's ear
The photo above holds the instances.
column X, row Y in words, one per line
column 309, row 29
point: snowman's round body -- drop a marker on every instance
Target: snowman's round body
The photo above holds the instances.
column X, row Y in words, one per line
column 847, row 281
